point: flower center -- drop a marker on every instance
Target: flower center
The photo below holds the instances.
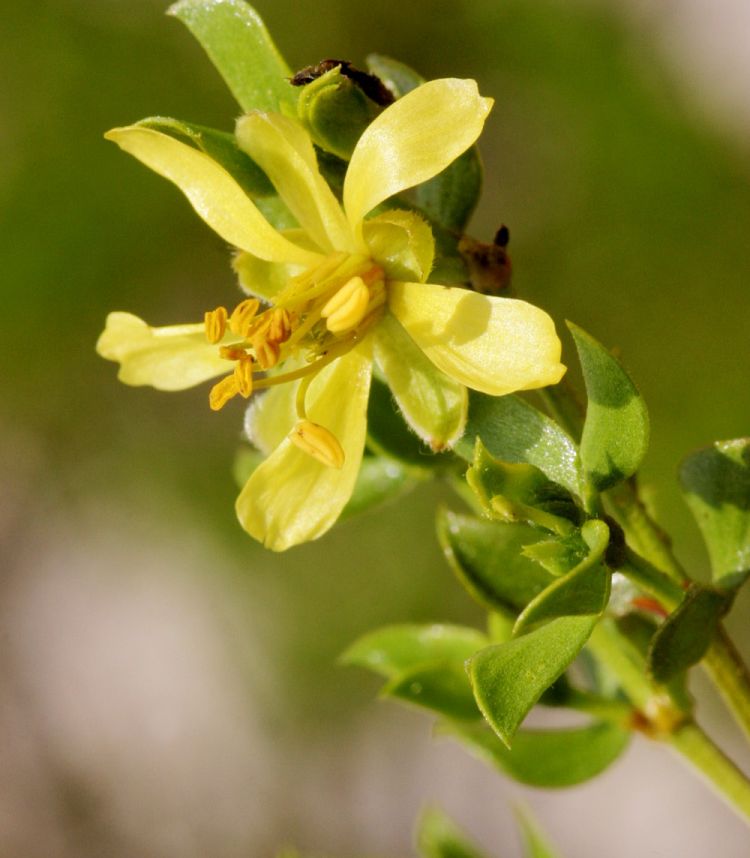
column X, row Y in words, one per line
column 319, row 316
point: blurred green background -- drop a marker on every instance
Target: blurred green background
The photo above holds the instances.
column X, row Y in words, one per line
column 168, row 687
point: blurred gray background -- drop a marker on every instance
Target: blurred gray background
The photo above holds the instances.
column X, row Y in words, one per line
column 167, row 687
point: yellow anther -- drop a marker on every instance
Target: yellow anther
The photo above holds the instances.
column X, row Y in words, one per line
column 222, row 392
column 281, row 325
column 318, row 442
column 232, row 352
column 242, row 316
column 243, row 376
column 266, row 353
column 216, row 324
column 347, row 308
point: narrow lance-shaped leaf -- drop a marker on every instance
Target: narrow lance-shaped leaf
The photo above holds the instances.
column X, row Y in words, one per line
column 615, row 434
column 683, row 638
column 486, row 557
column 237, row 42
column 221, row 146
column 535, row 844
column 584, row 590
column 440, row 837
column 548, row 759
column 509, row 678
column 514, row 431
column 716, row 484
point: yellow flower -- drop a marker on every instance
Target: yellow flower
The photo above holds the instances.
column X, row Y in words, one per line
column 341, row 290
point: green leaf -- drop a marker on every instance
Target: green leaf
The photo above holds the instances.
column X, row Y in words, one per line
column 389, row 435
column 558, row 556
column 397, row 76
column 548, row 759
column 716, row 483
column 584, row 590
column 615, row 434
column 514, row 431
column 509, row 678
column 393, row 650
column 441, row 686
column 451, row 197
column 520, row 492
column 439, row 837
column 486, row 557
column 683, row 638
column 220, row 146
column 237, row 42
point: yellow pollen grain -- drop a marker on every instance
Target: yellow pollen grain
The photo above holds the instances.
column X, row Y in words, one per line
column 216, row 324
column 243, row 376
column 347, row 308
column 222, row 392
column 242, row 316
column 318, row 442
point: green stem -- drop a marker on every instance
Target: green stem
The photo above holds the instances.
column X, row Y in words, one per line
column 720, row 772
column 615, row 651
column 651, row 579
column 730, row 676
column 642, row 531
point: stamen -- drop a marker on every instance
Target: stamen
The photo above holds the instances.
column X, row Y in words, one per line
column 281, row 325
column 266, row 352
column 346, row 309
column 318, row 442
column 216, row 323
column 243, row 376
column 222, row 392
column 232, row 352
column 242, row 315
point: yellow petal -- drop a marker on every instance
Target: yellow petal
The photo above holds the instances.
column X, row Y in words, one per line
column 496, row 345
column 213, row 193
column 169, row 358
column 271, row 415
column 412, row 141
column 434, row 405
column 293, row 498
column 284, row 152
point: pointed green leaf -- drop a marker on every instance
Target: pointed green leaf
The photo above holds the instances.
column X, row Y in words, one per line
column 560, row 555
column 514, row 431
column 716, row 483
column 220, row 146
column 683, row 638
column 237, row 42
column 548, row 759
column 441, row 686
column 615, row 434
column 509, row 678
column 520, row 492
column 486, row 557
column 584, row 590
column 393, row 650
column 439, row 837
